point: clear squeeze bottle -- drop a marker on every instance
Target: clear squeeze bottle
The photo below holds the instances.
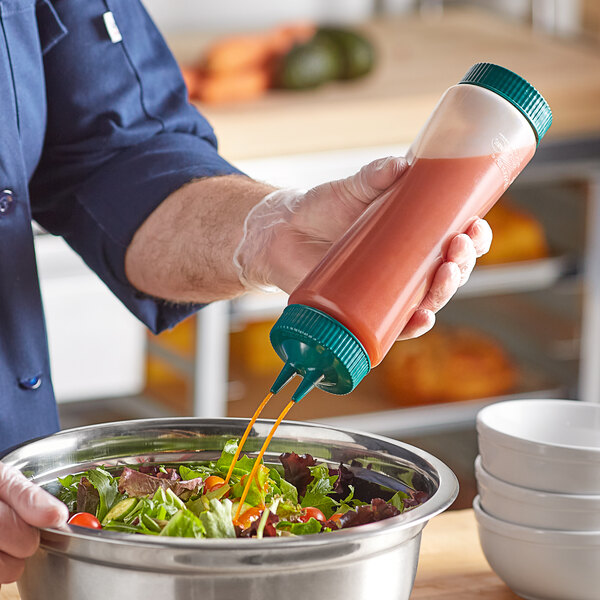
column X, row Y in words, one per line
column 342, row 319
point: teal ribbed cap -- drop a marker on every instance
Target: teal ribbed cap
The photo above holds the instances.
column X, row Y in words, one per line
column 516, row 90
column 320, row 349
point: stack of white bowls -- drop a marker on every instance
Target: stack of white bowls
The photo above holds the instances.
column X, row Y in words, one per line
column 538, row 509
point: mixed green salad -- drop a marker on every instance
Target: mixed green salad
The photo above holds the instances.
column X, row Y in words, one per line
column 300, row 497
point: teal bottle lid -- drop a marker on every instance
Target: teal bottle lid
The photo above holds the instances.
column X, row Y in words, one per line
column 320, row 349
column 516, row 90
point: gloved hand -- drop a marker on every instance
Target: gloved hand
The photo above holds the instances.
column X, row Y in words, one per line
column 23, row 507
column 289, row 231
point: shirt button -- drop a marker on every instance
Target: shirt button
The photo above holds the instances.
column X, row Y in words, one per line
column 32, row 383
column 7, row 199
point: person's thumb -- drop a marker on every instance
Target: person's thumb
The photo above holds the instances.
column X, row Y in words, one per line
column 33, row 504
column 375, row 178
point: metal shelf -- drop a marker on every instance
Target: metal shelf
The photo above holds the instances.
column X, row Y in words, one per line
column 427, row 418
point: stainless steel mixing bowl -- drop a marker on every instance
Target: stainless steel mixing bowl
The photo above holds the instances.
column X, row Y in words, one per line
column 353, row 564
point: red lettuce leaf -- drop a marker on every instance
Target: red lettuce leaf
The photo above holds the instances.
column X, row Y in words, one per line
column 134, row 483
column 378, row 510
column 88, row 497
column 296, row 470
column 364, row 489
column 171, row 474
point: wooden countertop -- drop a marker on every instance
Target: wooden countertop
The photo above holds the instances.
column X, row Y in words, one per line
column 418, row 59
column 451, row 564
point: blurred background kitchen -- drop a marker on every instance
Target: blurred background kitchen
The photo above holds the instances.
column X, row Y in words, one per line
column 527, row 324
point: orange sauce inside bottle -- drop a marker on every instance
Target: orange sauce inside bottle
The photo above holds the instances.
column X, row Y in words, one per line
column 377, row 274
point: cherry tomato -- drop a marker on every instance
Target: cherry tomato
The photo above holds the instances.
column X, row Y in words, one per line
column 248, row 516
column 84, row 519
column 313, row 512
column 214, row 482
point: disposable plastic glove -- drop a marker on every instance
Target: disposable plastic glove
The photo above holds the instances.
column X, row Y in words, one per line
column 289, row 231
column 23, row 507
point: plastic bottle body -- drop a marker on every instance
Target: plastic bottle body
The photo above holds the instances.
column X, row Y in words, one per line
column 472, row 147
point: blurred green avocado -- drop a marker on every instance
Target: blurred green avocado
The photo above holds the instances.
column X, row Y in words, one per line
column 308, row 65
column 357, row 51
column 333, row 53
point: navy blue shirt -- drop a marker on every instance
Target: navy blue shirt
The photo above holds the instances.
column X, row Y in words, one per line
column 94, row 134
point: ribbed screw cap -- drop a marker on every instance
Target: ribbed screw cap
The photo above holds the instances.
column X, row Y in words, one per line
column 312, row 342
column 516, row 90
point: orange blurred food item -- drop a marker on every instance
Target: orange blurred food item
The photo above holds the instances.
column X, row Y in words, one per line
column 518, row 235
column 446, row 365
column 251, row 51
column 237, row 53
column 252, row 348
column 233, row 87
column 240, row 67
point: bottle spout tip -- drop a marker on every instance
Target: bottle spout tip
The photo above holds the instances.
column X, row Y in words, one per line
column 309, row 381
column 285, row 376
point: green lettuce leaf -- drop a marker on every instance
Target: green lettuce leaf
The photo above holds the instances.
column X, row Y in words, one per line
column 286, row 509
column 258, row 488
column 188, row 473
column 217, row 521
column 397, row 500
column 284, row 488
column 242, row 467
column 184, row 524
column 108, row 490
column 68, row 492
column 318, row 489
column 311, row 526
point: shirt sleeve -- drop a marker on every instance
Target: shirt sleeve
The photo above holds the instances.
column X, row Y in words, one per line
column 121, row 136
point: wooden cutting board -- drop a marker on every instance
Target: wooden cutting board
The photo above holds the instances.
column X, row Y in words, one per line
column 451, row 564
column 418, row 59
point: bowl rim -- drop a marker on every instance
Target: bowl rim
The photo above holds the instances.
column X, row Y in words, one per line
column 536, row 535
column 528, row 495
column 527, row 445
column 443, row 497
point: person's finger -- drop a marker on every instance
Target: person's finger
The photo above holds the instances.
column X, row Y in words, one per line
column 421, row 322
column 33, row 504
column 462, row 252
column 329, row 209
column 481, row 233
column 374, row 178
column 445, row 283
column 17, row 538
column 11, row 568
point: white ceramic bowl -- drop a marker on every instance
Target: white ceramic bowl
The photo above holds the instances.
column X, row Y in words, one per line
column 547, row 445
column 538, row 564
column 532, row 508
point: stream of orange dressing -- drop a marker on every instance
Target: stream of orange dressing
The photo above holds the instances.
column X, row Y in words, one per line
column 246, row 433
column 259, row 457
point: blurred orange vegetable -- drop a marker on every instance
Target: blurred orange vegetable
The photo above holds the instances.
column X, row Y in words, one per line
column 237, row 54
column 250, row 51
column 233, row 87
column 240, row 67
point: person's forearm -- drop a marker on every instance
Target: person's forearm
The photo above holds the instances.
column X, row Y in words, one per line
column 183, row 251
